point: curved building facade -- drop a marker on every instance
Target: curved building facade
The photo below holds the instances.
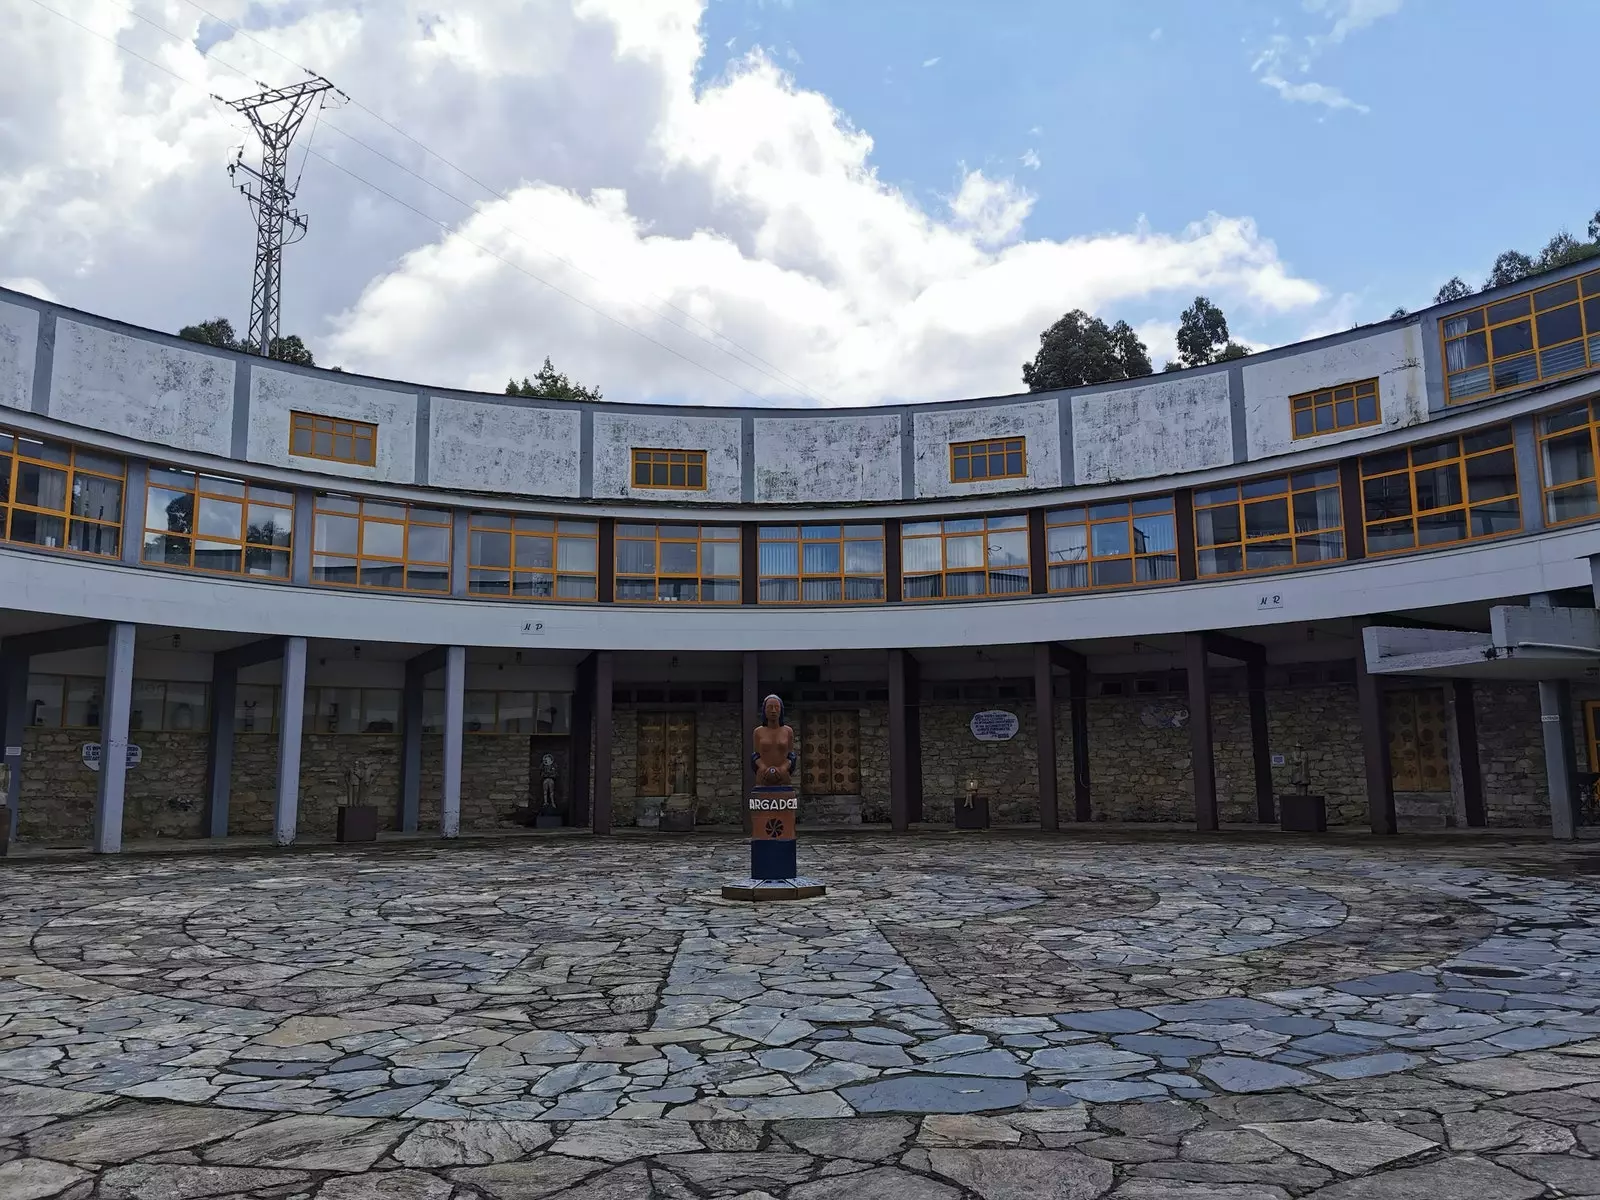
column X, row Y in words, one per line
column 1357, row 567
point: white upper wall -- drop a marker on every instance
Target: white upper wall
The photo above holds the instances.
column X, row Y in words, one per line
column 19, row 341
column 616, row 437
column 1156, row 429
column 1393, row 357
column 799, row 459
column 142, row 389
column 484, row 447
column 1039, row 421
column 275, row 394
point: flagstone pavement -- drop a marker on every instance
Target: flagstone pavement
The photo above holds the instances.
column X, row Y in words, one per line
column 962, row 1017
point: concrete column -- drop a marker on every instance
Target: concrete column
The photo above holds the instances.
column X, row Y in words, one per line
column 604, row 683
column 750, row 694
column 291, row 719
column 1078, row 689
column 899, row 751
column 1044, row 706
column 1201, row 751
column 1374, row 742
column 1260, row 740
column 1560, row 754
column 114, row 712
column 411, row 700
column 219, row 743
column 13, row 716
column 133, row 511
column 455, row 705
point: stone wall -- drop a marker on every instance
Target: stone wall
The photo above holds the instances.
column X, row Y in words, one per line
column 1006, row 772
column 164, row 796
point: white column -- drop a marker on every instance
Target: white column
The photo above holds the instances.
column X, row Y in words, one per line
column 1560, row 753
column 291, row 717
column 455, row 702
column 114, row 709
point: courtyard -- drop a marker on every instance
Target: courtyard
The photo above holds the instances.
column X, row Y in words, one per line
column 991, row 1016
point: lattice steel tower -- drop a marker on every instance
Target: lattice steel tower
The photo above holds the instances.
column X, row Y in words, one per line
column 276, row 116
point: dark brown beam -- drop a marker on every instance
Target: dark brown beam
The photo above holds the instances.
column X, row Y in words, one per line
column 1183, row 518
column 582, row 742
column 1201, row 753
column 1467, row 743
column 59, row 641
column 1045, row 710
column 1038, row 567
column 749, row 563
column 265, row 650
column 1078, row 689
column 1374, row 739
column 604, row 681
column 899, row 755
column 913, row 739
column 1260, row 740
column 1225, row 645
column 1353, row 507
column 892, row 585
column 1065, row 658
column 606, row 550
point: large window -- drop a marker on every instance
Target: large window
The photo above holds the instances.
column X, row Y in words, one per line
column 1112, row 544
column 532, row 558
column 1450, row 490
column 517, row 713
column 1567, row 455
column 675, row 470
column 993, row 458
column 821, row 564
column 965, row 557
column 210, row 523
column 59, row 496
column 352, row 710
column 76, row 702
column 375, row 544
column 678, row 563
column 255, row 708
column 1348, row 406
column 332, row 439
column 1268, row 524
column 1534, row 336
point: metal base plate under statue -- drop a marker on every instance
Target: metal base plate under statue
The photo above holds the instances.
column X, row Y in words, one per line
column 774, row 873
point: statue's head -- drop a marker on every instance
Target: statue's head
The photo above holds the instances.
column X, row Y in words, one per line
column 772, row 710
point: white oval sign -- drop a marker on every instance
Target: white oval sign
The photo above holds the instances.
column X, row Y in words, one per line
column 995, row 725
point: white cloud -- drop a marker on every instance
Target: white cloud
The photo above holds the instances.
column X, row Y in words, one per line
column 630, row 181
column 931, row 62
column 1312, row 93
column 1030, row 159
column 1352, row 16
column 1283, row 56
column 29, row 286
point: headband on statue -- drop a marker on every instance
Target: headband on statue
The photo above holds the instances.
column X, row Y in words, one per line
column 764, row 704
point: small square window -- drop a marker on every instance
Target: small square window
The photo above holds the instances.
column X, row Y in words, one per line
column 333, row 439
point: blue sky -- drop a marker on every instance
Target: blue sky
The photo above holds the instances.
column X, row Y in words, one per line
column 1153, row 108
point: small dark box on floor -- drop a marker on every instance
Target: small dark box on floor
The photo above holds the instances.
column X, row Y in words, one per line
column 358, row 823
column 549, row 820
column 1303, row 814
column 973, row 816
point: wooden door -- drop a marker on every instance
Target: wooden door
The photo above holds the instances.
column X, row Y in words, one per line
column 666, row 754
column 830, row 754
column 1419, row 741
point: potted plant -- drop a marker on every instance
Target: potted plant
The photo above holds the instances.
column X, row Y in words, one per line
column 677, row 813
column 358, row 820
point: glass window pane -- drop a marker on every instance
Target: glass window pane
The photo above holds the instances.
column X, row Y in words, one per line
column 184, row 707
column 516, row 712
column 1316, row 510
column 636, row 557
column 1157, row 568
column 377, row 574
column 327, row 569
column 576, row 587
column 1154, row 533
column 1063, row 578
column 822, row 558
column 430, row 544
column 1221, row 561
column 218, row 556
column 1114, row 572
column 533, row 552
column 924, row 587
column 1570, row 503
column 144, row 714
column 83, row 703
column 258, row 560
column 778, row 559
column 1008, row 549
column 1217, row 526
column 269, row 526
column 821, row 591
column 964, row 583
column 1319, row 547
column 336, row 534
column 1067, row 543
column 863, row 558
column 489, row 582
column 489, row 549
column 1438, row 487
column 1490, row 476
column 779, row 591
column 382, row 539
column 41, row 487
column 1268, row 556
column 1111, row 538
column 170, row 511
column 863, row 588
column 720, row 558
column 428, row 578
column 88, row 538
column 1503, row 516
column 1486, row 439
column 1561, row 325
column 1392, row 535
column 220, row 518
column 254, row 709
column 1513, row 372
column 679, row 558
column 1266, row 518
column 1436, row 529
column 577, row 554
column 922, row 554
column 963, row 552
column 477, row 712
column 167, row 550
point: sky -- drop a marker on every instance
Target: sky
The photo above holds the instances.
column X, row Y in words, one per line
column 805, row 202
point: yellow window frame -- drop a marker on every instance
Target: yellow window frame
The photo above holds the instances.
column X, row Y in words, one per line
column 1015, row 523
column 15, row 457
column 1588, row 422
column 1128, row 518
column 249, row 496
column 307, row 432
column 1460, row 458
column 779, row 535
column 517, row 527
column 1241, row 502
column 1476, row 321
column 1332, row 401
column 700, row 538
column 365, row 520
column 996, row 455
column 659, row 467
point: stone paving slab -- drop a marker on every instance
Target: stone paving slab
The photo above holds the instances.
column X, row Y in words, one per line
column 959, row 1018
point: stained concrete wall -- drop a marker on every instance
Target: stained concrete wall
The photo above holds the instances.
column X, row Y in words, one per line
column 616, row 437
column 1039, row 421
column 275, row 394
column 800, row 459
column 486, row 447
column 147, row 390
column 19, row 340
column 1393, row 357
column 1163, row 428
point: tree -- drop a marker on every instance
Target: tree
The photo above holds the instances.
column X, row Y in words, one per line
column 219, row 332
column 1080, row 349
column 1203, row 336
column 550, row 384
column 1564, row 250
column 1510, row 267
column 1397, row 313
column 1454, row 289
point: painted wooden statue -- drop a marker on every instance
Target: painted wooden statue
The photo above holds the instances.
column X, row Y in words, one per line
column 774, row 757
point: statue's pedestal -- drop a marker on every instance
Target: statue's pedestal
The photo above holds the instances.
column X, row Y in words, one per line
column 774, row 873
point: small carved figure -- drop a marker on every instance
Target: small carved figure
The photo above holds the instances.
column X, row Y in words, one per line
column 547, row 782
column 774, row 758
column 1302, row 772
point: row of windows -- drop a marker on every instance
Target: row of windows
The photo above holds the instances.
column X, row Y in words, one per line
column 75, row 702
column 1541, row 334
column 1435, row 493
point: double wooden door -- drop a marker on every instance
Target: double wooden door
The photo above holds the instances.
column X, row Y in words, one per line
column 830, row 753
column 666, row 754
column 1419, row 740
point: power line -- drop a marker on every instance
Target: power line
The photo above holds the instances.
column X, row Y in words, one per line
column 429, row 217
column 759, row 364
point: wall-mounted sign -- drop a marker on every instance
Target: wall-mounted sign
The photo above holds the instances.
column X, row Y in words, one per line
column 13, row 751
column 994, row 725
column 1269, row 600
column 92, row 754
column 1277, row 760
column 1160, row 716
column 533, row 629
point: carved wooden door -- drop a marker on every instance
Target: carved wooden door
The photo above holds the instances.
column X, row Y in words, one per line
column 830, row 754
column 666, row 754
column 1419, row 741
